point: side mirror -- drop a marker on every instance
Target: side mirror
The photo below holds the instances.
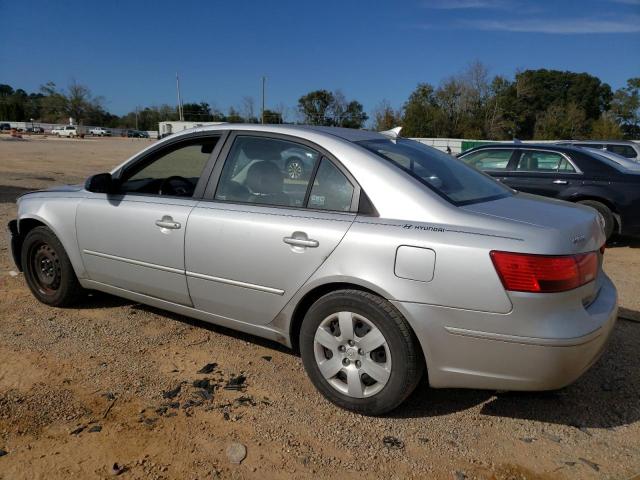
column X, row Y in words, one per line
column 100, row 183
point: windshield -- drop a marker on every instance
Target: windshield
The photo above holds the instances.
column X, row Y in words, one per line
column 449, row 177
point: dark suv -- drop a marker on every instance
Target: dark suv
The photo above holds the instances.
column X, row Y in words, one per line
column 567, row 173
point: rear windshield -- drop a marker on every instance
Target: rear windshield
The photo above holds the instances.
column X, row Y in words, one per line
column 449, row 177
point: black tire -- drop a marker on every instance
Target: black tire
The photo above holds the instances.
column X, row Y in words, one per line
column 609, row 221
column 48, row 270
column 294, row 167
column 407, row 363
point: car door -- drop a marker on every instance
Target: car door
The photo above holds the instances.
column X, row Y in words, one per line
column 260, row 234
column 134, row 238
column 542, row 172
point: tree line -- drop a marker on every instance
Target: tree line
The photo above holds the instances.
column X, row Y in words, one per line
column 536, row 104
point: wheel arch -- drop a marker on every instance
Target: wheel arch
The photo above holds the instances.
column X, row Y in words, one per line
column 607, row 203
column 29, row 221
column 310, row 297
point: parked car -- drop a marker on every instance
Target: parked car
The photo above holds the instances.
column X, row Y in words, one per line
column 70, row 131
column 624, row 162
column 137, row 134
column 620, row 147
column 391, row 260
column 5, row 127
column 567, row 173
column 99, row 132
column 35, row 129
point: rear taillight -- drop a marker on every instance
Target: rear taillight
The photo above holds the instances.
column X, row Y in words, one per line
column 523, row 272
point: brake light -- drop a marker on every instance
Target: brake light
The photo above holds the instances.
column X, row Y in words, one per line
column 523, row 272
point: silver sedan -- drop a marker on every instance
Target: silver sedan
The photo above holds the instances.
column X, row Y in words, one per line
column 386, row 261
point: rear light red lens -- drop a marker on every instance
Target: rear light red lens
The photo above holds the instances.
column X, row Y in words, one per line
column 522, row 272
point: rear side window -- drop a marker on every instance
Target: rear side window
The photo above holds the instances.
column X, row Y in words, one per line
column 266, row 171
column 489, row 159
column 539, row 161
column 624, row 150
column 449, row 177
column 331, row 190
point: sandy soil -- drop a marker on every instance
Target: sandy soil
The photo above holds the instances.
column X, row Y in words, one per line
column 85, row 388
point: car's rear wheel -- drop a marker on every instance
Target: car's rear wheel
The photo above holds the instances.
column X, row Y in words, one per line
column 359, row 352
column 607, row 215
column 48, row 270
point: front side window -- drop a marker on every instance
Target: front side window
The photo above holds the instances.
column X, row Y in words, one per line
column 539, row 161
column 173, row 171
column 266, row 171
column 447, row 176
column 497, row 159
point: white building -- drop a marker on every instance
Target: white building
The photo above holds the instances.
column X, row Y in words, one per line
column 167, row 128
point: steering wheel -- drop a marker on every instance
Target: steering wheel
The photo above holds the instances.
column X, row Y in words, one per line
column 176, row 185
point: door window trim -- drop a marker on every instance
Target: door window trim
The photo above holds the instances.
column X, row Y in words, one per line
column 516, row 161
column 143, row 156
column 216, row 173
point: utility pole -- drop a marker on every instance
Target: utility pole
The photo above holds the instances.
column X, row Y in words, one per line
column 264, row 79
column 180, row 110
column 136, row 118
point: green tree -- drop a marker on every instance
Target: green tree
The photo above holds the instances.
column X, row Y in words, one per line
column 419, row 112
column 561, row 122
column 385, row 117
column 626, row 107
column 315, row 107
column 606, row 128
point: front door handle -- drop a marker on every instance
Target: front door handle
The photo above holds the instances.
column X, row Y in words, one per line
column 560, row 182
column 167, row 222
column 300, row 239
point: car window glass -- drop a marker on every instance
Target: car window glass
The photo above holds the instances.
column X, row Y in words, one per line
column 173, row 171
column 539, row 161
column 331, row 190
column 565, row 166
column 624, row 150
column 448, row 176
column 489, row 159
column 267, row 171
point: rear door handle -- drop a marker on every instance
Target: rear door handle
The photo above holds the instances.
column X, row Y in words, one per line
column 560, row 182
column 300, row 239
column 167, row 222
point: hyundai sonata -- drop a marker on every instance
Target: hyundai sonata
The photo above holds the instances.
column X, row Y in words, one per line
column 388, row 261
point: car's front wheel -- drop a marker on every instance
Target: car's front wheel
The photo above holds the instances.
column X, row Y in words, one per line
column 48, row 270
column 359, row 352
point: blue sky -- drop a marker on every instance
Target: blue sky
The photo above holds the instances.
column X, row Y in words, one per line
column 129, row 52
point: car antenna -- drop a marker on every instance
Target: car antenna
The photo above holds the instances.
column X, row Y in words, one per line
column 393, row 134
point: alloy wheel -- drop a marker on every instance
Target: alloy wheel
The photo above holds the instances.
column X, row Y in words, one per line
column 352, row 354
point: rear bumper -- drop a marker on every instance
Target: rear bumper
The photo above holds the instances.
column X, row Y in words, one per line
column 15, row 243
column 460, row 354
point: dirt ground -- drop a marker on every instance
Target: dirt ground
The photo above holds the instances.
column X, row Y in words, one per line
column 85, row 388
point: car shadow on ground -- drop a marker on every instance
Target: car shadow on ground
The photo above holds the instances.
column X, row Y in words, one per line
column 97, row 299
column 618, row 241
column 604, row 397
column 9, row 193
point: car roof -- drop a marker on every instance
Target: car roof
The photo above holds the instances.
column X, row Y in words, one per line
column 535, row 146
column 349, row 134
column 600, row 142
